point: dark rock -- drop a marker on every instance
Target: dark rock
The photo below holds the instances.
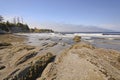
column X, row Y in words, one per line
column 47, row 39
column 33, row 70
column 26, row 57
column 41, row 39
column 60, row 39
column 52, row 44
column 5, row 44
column 2, row 67
column 111, row 78
column 14, row 72
column 44, row 44
column 118, row 58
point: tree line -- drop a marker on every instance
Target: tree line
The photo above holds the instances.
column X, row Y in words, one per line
column 9, row 27
column 17, row 26
column 36, row 30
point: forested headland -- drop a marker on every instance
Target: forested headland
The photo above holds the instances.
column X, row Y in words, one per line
column 12, row 27
column 18, row 26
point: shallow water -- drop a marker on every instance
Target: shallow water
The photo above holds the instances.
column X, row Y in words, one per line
column 98, row 40
column 105, row 43
column 38, row 39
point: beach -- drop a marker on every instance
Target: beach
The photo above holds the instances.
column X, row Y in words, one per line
column 48, row 56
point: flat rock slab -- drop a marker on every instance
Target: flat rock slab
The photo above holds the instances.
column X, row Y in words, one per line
column 75, row 68
column 83, row 62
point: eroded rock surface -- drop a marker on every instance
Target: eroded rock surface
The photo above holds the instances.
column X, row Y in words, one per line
column 19, row 61
column 32, row 70
column 84, row 62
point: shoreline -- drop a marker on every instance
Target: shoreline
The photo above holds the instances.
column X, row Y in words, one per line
column 20, row 57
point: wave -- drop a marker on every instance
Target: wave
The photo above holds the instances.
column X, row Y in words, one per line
column 97, row 35
column 88, row 34
column 83, row 35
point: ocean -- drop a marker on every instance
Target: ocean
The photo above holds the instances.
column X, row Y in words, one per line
column 108, row 40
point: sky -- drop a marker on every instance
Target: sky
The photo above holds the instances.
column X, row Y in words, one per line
column 39, row 13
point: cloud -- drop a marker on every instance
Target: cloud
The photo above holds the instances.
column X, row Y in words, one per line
column 115, row 27
column 66, row 27
column 70, row 27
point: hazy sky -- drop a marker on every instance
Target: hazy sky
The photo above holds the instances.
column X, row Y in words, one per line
column 101, row 13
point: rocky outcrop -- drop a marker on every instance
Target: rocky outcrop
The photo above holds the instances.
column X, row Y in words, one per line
column 32, row 70
column 77, row 38
column 84, row 62
column 20, row 61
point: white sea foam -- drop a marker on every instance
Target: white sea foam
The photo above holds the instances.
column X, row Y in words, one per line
column 96, row 35
column 89, row 34
column 83, row 35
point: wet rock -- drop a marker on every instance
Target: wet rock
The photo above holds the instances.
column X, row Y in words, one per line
column 41, row 39
column 52, row 44
column 47, row 39
column 60, row 39
column 44, row 44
